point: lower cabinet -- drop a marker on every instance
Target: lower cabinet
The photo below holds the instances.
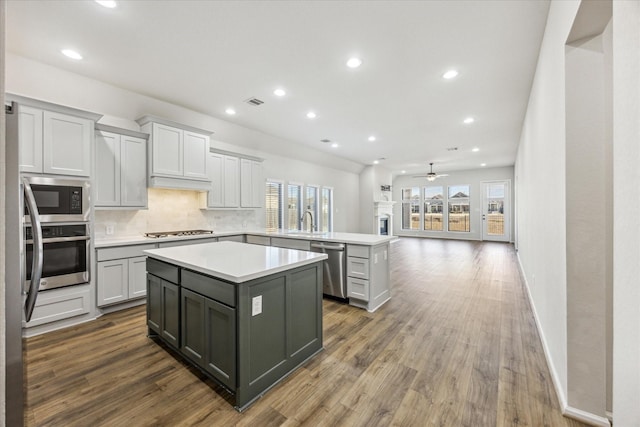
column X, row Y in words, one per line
column 208, row 335
column 121, row 274
column 163, row 309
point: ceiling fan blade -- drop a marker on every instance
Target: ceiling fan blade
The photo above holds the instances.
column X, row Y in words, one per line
column 418, row 176
column 442, row 174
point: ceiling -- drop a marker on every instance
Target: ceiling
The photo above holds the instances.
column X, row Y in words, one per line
column 212, row 55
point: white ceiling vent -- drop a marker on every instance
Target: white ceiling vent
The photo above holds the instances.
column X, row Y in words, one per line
column 254, row 101
column 452, row 149
column 325, row 140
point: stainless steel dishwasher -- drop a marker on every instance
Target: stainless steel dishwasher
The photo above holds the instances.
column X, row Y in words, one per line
column 334, row 283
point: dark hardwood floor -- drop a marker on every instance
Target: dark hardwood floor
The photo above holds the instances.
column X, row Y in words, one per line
column 455, row 346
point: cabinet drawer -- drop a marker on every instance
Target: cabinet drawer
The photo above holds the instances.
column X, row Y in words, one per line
column 186, row 242
column 301, row 245
column 259, row 240
column 358, row 267
column 60, row 304
column 163, row 270
column 209, row 287
column 238, row 238
column 358, row 251
column 120, row 252
column 358, row 288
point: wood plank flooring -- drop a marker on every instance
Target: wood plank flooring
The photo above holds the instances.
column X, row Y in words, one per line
column 455, row 346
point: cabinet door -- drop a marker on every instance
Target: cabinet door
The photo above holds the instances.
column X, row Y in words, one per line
column 220, row 336
column 215, row 198
column 171, row 313
column 246, row 184
column 154, row 303
column 167, row 150
column 107, row 176
column 231, row 191
column 113, row 281
column 66, row 144
column 137, row 277
column 257, row 185
column 133, row 171
column 30, row 128
column 196, row 149
column 193, row 325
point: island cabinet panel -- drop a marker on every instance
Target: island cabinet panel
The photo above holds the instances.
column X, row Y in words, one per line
column 220, row 338
column 193, row 326
column 154, row 303
column 171, row 313
column 305, row 330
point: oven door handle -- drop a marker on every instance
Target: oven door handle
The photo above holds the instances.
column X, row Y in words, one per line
column 36, row 265
column 60, row 239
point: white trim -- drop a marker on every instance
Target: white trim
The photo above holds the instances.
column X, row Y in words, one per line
column 567, row 411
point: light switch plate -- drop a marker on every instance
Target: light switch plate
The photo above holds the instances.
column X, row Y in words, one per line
column 256, row 305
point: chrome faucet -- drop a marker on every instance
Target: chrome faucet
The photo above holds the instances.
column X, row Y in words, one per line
column 311, row 225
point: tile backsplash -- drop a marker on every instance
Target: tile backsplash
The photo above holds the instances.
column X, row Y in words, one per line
column 171, row 210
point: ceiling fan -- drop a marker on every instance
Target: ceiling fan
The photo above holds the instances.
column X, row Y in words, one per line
column 431, row 175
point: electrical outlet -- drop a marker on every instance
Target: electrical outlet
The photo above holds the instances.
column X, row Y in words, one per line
column 109, row 229
column 256, row 305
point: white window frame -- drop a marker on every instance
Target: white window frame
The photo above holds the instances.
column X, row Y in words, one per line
column 280, row 211
column 321, row 223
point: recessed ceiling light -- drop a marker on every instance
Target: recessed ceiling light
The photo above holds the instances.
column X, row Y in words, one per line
column 450, row 74
column 230, row 111
column 311, row 115
column 403, row 172
column 475, row 149
column 354, row 62
column 334, row 145
column 375, row 162
column 69, row 53
column 469, row 120
column 483, row 164
column 372, row 138
column 279, row 92
column 107, row 3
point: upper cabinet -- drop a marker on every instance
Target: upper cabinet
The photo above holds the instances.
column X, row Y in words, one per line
column 54, row 139
column 251, row 184
column 236, row 182
column 121, row 168
column 177, row 154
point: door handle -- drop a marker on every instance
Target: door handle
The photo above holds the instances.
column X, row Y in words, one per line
column 36, row 265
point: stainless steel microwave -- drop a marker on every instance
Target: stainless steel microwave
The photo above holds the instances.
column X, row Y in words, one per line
column 59, row 199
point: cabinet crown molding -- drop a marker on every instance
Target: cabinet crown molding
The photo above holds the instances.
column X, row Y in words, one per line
column 121, row 131
column 154, row 119
column 49, row 106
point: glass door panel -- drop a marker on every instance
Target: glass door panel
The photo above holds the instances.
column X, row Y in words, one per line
column 495, row 217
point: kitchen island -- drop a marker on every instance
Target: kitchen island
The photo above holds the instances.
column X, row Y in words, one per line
column 246, row 315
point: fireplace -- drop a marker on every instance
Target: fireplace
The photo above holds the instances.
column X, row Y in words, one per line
column 384, row 226
column 383, row 217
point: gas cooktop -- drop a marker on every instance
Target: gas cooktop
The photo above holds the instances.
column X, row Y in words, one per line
column 159, row 234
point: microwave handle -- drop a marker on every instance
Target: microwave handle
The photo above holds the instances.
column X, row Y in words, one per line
column 36, row 265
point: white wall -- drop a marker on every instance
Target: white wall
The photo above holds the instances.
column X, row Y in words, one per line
column 371, row 179
column 540, row 178
column 474, row 179
column 121, row 107
column 626, row 195
column 3, row 326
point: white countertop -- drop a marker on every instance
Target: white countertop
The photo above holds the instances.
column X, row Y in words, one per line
column 353, row 238
column 235, row 262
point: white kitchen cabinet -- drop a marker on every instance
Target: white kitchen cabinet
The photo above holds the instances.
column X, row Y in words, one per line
column 121, row 274
column 121, row 174
column 53, row 141
column 251, row 184
column 177, row 154
column 368, row 277
column 224, row 191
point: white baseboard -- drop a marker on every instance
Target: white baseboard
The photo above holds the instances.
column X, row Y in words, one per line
column 567, row 411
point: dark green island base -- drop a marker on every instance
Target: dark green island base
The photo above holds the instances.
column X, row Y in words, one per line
column 246, row 336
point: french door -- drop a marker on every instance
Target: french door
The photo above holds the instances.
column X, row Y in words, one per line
column 496, row 212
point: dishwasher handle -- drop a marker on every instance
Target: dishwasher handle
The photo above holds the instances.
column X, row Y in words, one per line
column 336, row 247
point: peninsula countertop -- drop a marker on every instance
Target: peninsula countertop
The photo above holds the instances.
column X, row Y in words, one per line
column 233, row 261
column 337, row 237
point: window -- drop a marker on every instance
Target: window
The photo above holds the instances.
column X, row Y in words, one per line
column 433, row 208
column 411, row 208
column 294, row 206
column 459, row 208
column 273, row 205
column 327, row 209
